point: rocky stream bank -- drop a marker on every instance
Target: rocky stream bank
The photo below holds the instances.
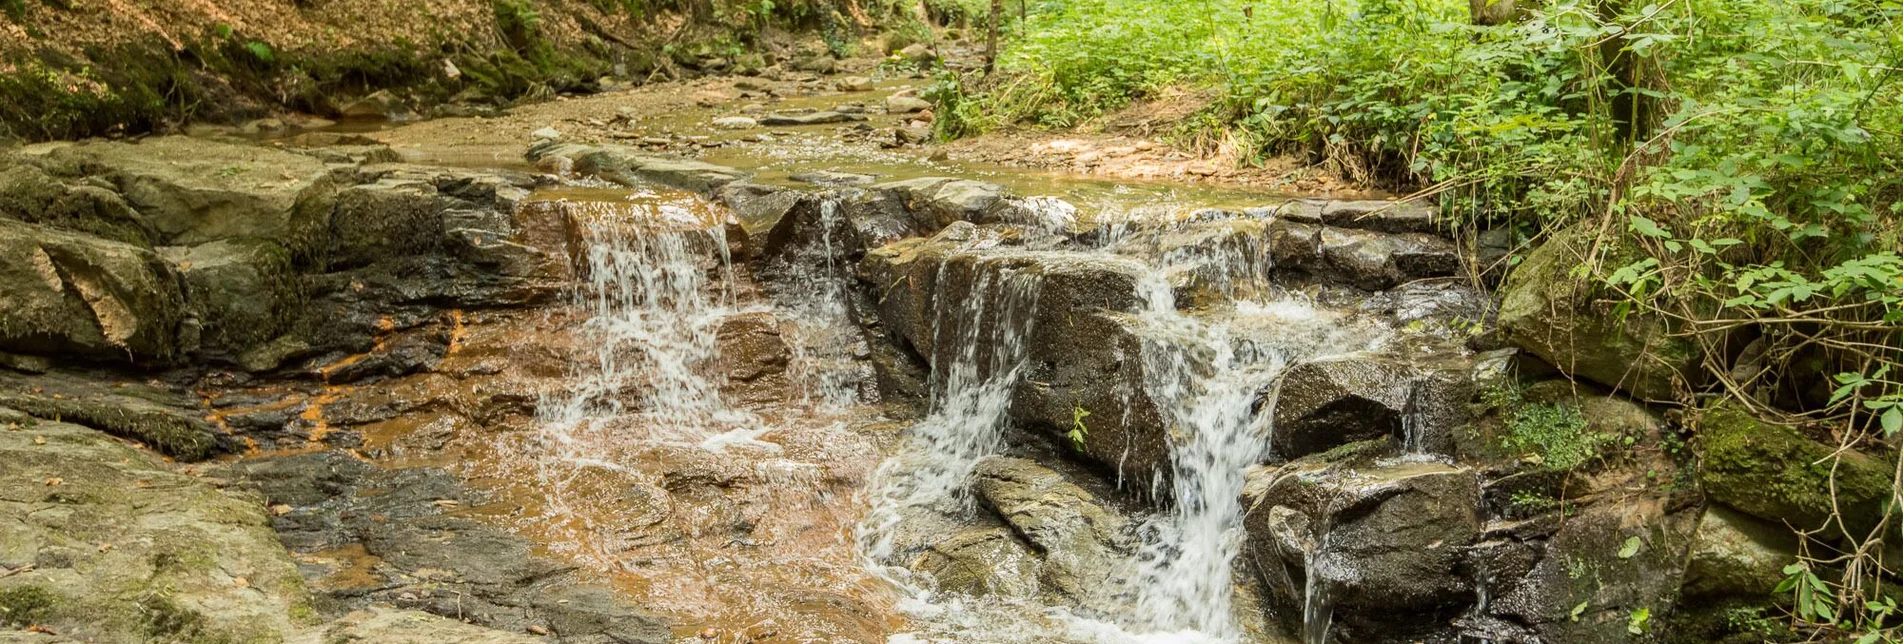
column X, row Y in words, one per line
column 645, row 380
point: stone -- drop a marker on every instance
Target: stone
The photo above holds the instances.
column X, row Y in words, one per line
column 1380, row 261
column 940, row 201
column 736, row 123
column 121, row 547
column 1584, row 565
column 920, row 54
column 853, row 84
column 70, row 295
column 1567, row 322
column 981, row 561
column 397, row 215
column 380, row 104
column 830, row 178
column 164, row 421
column 395, row 626
column 1375, row 215
column 1082, row 543
column 906, row 105
column 194, row 191
column 820, row 64
column 28, row 194
column 1322, row 405
column 244, row 291
column 1777, row 474
column 1378, row 551
column 753, row 357
column 782, row 119
column 546, row 134
column 1736, row 556
column 631, row 167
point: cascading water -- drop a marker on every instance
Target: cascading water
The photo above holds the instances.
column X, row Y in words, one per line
column 654, row 314
column 981, row 337
column 810, row 292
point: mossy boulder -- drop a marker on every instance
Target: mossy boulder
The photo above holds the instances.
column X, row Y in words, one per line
column 72, row 295
column 1559, row 315
column 28, row 194
column 1775, row 473
column 109, row 544
column 165, row 421
column 244, row 291
column 196, row 191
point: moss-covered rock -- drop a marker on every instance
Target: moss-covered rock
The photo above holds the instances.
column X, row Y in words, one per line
column 28, row 194
column 124, row 549
column 158, row 418
column 1553, row 312
column 71, row 295
column 1775, row 473
column 244, row 291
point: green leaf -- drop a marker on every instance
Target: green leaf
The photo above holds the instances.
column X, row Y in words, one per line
column 1648, row 227
column 1579, row 610
column 1893, row 420
column 1630, row 548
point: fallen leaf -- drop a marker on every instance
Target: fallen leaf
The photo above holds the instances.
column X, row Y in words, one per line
column 55, row 481
column 104, row 547
column 280, row 509
column 240, row 582
column 537, row 629
column 39, row 440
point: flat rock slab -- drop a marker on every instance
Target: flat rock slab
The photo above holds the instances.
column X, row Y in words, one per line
column 118, row 546
column 815, row 118
column 632, row 167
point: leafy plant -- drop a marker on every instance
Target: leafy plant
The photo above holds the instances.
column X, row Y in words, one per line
column 1078, row 431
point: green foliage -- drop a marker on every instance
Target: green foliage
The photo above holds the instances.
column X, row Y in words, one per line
column 1555, row 435
column 1078, row 431
column 261, row 51
column 15, row 9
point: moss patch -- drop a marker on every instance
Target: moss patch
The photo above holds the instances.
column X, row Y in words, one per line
column 1777, row 474
column 25, row 605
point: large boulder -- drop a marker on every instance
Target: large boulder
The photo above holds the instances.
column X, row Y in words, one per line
column 981, row 560
column 1383, row 216
column 940, row 201
column 244, row 291
column 1380, row 261
column 400, row 214
column 195, row 191
column 1737, row 556
column 1777, row 474
column 1563, row 319
column 71, row 295
column 1363, row 552
column 1325, row 404
column 104, row 542
column 1600, row 568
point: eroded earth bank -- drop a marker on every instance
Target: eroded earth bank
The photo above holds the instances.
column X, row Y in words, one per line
column 740, row 361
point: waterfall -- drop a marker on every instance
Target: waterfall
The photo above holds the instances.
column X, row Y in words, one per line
column 653, row 314
column 810, row 292
column 980, row 338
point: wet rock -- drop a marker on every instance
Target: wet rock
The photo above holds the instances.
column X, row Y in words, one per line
column 830, row 178
column 194, row 191
column 736, row 123
column 1737, row 556
column 1585, row 564
column 1376, row 551
column 760, row 208
column 1382, row 216
column 119, row 547
column 980, row 561
column 546, row 134
column 429, row 558
column 906, row 105
column 164, row 421
column 1379, row 261
column 912, row 135
column 393, row 626
column 821, row 64
column 631, row 167
column 753, row 356
column 244, row 291
column 66, row 294
column 1774, row 473
column 1082, row 543
column 780, row 119
column 1561, row 319
column 28, row 194
column 853, row 84
column 1326, row 404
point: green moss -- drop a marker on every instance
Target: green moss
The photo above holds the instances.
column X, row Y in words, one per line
column 1775, row 473
column 25, row 605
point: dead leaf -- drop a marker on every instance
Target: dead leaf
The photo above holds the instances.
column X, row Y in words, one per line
column 55, row 481
column 240, row 582
column 538, row 629
column 446, row 503
column 280, row 509
column 39, row 440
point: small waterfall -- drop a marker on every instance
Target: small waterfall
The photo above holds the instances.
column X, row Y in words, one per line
column 980, row 338
column 654, row 311
column 810, row 291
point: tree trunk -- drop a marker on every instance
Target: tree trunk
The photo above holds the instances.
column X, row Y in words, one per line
column 991, row 37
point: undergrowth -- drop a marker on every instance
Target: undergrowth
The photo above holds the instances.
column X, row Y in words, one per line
column 1748, row 150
